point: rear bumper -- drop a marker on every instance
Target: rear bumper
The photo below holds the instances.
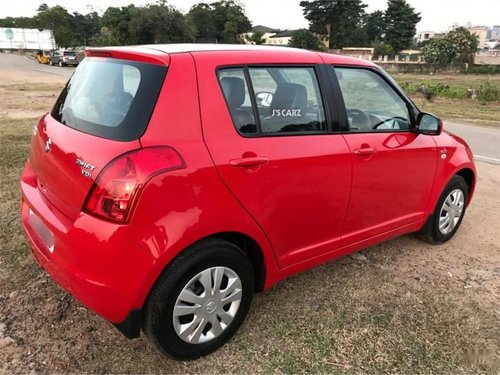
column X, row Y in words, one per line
column 95, row 261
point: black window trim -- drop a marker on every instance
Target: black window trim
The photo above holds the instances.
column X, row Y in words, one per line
column 344, row 125
column 324, row 90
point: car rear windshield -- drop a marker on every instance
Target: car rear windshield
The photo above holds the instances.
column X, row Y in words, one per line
column 110, row 98
column 69, row 53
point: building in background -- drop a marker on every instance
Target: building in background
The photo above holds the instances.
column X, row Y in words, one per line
column 423, row 36
column 282, row 38
column 26, row 39
column 266, row 32
column 494, row 33
column 481, row 32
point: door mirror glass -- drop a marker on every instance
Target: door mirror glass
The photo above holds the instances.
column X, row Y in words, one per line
column 429, row 124
column 264, row 99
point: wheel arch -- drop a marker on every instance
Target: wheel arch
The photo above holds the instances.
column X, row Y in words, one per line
column 470, row 178
column 243, row 241
column 253, row 251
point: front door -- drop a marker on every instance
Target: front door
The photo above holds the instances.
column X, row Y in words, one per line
column 393, row 166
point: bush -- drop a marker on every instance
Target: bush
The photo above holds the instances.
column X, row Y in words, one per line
column 434, row 89
column 488, row 93
column 483, row 69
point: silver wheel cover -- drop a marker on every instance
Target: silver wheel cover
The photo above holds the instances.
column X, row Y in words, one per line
column 451, row 211
column 207, row 305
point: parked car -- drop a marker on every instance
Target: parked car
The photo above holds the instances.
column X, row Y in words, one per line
column 63, row 58
column 171, row 182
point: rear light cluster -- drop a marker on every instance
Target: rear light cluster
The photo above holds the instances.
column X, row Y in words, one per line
column 120, row 182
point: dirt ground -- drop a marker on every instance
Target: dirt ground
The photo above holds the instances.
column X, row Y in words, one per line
column 402, row 306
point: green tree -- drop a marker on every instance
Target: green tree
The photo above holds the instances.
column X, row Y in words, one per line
column 382, row 48
column 439, row 51
column 257, row 37
column 43, row 7
column 58, row 20
column 115, row 26
column 229, row 20
column 303, row 38
column 105, row 38
column 85, row 28
column 401, row 22
column 159, row 23
column 466, row 44
column 22, row 22
column 458, row 46
column 222, row 21
column 375, row 26
column 340, row 20
column 200, row 16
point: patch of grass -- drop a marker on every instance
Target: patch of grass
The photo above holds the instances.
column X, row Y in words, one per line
column 16, row 258
column 464, row 81
column 371, row 326
column 453, row 86
column 463, row 111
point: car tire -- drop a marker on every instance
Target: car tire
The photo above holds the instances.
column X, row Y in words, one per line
column 61, row 64
column 208, row 274
column 448, row 214
column 51, row 63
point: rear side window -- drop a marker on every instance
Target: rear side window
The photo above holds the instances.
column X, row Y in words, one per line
column 110, row 98
column 273, row 100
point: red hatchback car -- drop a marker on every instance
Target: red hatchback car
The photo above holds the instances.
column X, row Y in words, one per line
column 171, row 182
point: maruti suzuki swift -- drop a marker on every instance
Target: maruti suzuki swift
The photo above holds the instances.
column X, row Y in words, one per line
column 169, row 183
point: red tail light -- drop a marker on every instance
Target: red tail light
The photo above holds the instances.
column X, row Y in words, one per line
column 119, row 183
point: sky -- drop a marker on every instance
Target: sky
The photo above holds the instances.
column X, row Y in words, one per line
column 437, row 15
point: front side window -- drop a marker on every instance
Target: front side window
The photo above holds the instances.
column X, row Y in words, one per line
column 372, row 105
column 286, row 99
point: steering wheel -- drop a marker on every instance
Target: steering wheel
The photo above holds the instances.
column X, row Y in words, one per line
column 394, row 120
column 360, row 119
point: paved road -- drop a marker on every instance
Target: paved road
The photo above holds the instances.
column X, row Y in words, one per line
column 485, row 142
column 16, row 61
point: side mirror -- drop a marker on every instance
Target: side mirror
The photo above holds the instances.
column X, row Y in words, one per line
column 264, row 99
column 429, row 124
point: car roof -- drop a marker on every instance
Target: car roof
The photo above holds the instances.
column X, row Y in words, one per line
column 174, row 48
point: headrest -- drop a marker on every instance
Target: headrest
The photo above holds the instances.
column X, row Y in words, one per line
column 234, row 91
column 289, row 96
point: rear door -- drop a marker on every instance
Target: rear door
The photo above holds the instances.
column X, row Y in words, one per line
column 267, row 131
column 393, row 166
column 100, row 114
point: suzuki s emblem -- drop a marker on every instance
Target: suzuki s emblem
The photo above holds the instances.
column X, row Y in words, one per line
column 48, row 144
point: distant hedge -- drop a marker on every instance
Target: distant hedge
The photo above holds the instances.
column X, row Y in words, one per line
column 483, row 69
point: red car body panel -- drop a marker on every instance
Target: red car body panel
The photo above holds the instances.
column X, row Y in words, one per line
column 320, row 163
column 392, row 199
column 337, row 201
